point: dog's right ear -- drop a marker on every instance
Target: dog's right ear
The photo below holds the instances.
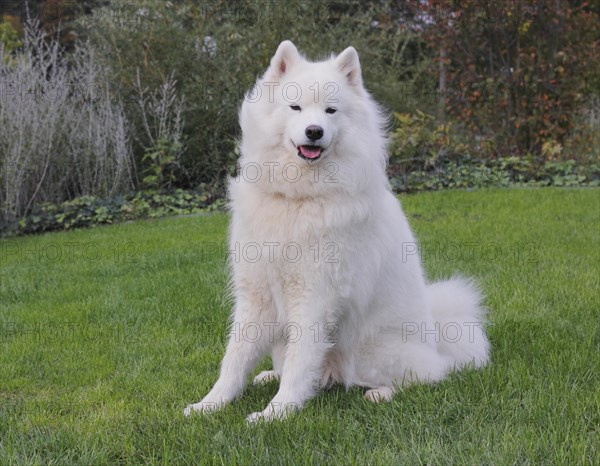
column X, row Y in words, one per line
column 287, row 54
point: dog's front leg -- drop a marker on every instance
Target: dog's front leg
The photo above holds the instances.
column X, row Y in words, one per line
column 307, row 343
column 241, row 356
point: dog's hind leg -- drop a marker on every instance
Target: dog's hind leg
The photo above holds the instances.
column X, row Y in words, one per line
column 265, row 377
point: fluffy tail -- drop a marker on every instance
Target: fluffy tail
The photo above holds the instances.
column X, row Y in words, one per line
column 456, row 305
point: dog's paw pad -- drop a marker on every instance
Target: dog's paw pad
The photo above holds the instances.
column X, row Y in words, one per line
column 379, row 394
column 265, row 377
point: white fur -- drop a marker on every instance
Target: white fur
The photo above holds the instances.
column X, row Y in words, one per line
column 355, row 301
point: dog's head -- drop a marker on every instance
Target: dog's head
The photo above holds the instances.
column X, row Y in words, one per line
column 312, row 113
column 312, row 97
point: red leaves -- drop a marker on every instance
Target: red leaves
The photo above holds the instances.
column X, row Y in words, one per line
column 505, row 75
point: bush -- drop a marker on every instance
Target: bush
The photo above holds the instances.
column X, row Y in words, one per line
column 517, row 72
column 89, row 211
column 418, row 136
column 162, row 121
column 215, row 51
column 9, row 40
column 459, row 172
column 426, row 155
column 63, row 133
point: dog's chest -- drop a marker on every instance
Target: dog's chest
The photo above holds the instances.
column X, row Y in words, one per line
column 303, row 221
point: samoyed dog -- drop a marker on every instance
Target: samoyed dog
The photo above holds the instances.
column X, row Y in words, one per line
column 326, row 274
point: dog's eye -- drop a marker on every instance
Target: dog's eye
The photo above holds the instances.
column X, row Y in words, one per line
column 330, row 110
column 296, row 108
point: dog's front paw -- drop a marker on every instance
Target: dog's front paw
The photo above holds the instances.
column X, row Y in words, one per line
column 203, row 407
column 265, row 416
column 274, row 411
column 256, row 417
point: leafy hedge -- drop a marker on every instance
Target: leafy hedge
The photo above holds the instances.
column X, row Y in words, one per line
column 87, row 211
column 452, row 173
column 410, row 176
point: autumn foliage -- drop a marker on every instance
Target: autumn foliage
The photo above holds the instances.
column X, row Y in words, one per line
column 516, row 72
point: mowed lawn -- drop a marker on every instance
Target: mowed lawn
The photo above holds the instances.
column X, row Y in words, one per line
column 106, row 334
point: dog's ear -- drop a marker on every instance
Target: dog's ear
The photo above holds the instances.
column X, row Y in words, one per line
column 349, row 65
column 285, row 57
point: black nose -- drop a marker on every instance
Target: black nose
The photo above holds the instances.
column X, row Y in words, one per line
column 314, row 132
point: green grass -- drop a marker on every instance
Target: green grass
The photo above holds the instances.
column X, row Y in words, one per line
column 106, row 334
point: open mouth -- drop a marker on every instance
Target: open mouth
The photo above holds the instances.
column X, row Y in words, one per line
column 310, row 153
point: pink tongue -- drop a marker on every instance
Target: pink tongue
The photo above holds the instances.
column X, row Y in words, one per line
column 310, row 152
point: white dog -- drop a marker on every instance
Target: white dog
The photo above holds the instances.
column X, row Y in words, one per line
column 326, row 275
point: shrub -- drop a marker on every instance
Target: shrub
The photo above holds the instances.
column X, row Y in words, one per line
column 63, row 133
column 162, row 121
column 418, row 136
column 424, row 174
column 517, row 72
column 148, row 44
column 89, row 211
column 215, row 51
column 9, row 40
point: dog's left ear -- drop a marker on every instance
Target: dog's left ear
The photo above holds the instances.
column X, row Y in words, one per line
column 349, row 65
column 287, row 54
